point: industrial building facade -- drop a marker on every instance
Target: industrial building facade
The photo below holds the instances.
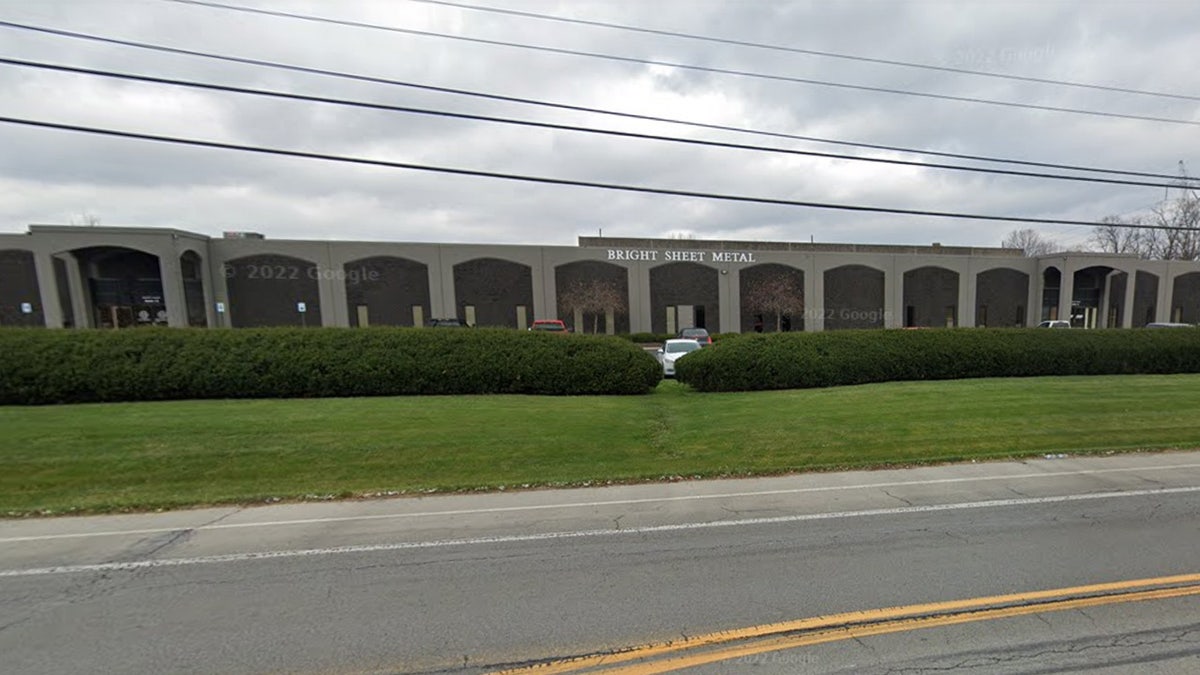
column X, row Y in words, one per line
column 117, row 277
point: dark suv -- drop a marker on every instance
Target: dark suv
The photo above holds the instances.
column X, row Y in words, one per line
column 698, row 334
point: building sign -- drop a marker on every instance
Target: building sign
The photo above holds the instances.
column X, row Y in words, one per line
column 680, row 256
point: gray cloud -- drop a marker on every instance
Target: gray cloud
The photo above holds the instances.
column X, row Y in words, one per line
column 50, row 176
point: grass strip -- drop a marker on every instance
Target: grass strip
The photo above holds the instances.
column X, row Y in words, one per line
column 140, row 456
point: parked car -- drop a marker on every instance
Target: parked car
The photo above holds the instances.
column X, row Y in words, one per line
column 446, row 323
column 1055, row 324
column 549, row 326
column 698, row 334
column 672, row 351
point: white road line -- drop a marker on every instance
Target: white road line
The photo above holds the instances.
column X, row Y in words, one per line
column 443, row 543
column 566, row 505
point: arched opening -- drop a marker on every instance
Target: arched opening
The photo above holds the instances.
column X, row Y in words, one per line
column 20, row 295
column 771, row 298
column 930, row 298
column 853, row 297
column 1185, row 298
column 273, row 290
column 1001, row 295
column 593, row 296
column 1091, row 297
column 123, row 286
column 1051, row 284
column 1145, row 298
column 191, row 269
column 387, row 291
column 494, row 292
column 684, row 295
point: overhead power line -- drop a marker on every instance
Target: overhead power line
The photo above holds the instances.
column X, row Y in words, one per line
column 685, row 66
column 263, row 150
column 794, row 50
column 564, row 127
column 565, row 106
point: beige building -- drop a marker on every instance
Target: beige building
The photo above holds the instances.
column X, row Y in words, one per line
column 104, row 277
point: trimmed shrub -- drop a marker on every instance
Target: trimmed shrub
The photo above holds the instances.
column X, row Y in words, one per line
column 647, row 338
column 73, row 366
column 804, row 360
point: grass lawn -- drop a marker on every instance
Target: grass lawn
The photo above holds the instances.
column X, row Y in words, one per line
column 108, row 457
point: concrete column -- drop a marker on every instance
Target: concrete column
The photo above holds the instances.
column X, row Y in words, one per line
column 215, row 268
column 893, row 296
column 1166, row 291
column 727, row 298
column 172, row 284
column 1105, row 301
column 639, row 299
column 814, row 300
column 966, row 296
column 47, row 290
column 331, row 290
column 444, row 283
column 633, row 300
column 1066, row 291
column 80, row 302
column 210, row 310
column 1037, row 283
column 1130, row 287
column 545, row 304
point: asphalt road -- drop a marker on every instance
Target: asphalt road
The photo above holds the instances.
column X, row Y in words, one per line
column 478, row 583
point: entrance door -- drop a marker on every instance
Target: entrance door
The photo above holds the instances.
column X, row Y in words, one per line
column 114, row 316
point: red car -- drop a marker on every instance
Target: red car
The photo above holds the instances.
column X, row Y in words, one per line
column 549, row 326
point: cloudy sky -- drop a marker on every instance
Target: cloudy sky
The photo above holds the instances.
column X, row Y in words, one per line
column 55, row 176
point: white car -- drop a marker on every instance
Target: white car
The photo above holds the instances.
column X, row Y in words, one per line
column 672, row 351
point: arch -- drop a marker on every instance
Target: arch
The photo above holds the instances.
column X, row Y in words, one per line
column 268, row 289
column 19, row 289
column 1001, row 296
column 491, row 291
column 930, row 297
column 853, row 297
column 771, row 297
column 386, row 291
column 123, row 286
column 1091, row 296
column 685, row 294
column 1185, row 298
column 1051, row 283
column 592, row 289
column 1145, row 298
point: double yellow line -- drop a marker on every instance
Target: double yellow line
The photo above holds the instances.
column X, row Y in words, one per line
column 714, row 647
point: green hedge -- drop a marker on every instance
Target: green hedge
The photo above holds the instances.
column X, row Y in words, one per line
column 803, row 360
column 40, row 366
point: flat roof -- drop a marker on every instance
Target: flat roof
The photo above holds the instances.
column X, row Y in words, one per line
column 109, row 229
column 723, row 245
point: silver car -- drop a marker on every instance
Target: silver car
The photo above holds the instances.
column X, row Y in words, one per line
column 673, row 350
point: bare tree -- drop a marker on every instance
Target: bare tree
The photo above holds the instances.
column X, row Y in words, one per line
column 1032, row 242
column 1174, row 232
column 779, row 295
column 1116, row 236
column 86, row 218
column 593, row 297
